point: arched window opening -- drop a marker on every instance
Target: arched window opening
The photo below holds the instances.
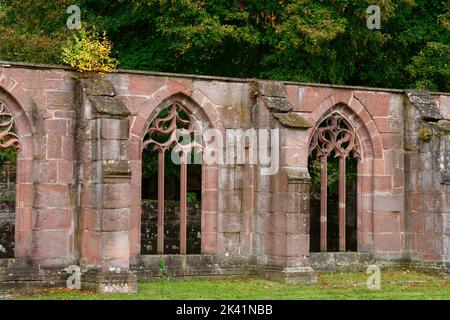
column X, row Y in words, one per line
column 171, row 185
column 334, row 152
column 9, row 144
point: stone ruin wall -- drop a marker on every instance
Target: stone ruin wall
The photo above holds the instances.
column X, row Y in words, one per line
column 78, row 183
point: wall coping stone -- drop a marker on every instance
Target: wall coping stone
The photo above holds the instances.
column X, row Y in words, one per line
column 7, row 64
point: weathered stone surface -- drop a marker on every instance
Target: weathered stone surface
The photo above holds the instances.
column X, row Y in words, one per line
column 277, row 104
column 292, row 120
column 444, row 125
column 425, row 104
column 98, row 87
column 274, row 96
column 108, row 106
column 116, row 167
column 272, row 89
column 79, row 180
column 297, row 174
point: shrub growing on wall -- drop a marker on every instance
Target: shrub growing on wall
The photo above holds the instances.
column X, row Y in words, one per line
column 89, row 52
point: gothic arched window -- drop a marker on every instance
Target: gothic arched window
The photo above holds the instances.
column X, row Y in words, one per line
column 334, row 149
column 9, row 143
column 171, row 133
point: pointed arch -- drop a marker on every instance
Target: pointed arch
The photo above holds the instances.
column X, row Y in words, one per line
column 367, row 138
column 205, row 116
column 22, row 139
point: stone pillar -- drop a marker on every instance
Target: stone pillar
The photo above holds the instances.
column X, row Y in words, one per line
column 283, row 210
column 104, row 178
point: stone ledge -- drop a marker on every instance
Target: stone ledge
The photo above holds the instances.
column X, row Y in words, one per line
column 300, row 275
column 196, row 265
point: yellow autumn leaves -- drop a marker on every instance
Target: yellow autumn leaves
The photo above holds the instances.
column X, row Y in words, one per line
column 89, row 52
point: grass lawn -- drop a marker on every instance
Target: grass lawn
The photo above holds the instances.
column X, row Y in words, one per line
column 398, row 284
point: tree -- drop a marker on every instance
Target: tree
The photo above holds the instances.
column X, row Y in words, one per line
column 303, row 40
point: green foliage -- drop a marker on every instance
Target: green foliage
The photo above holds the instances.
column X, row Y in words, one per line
column 162, row 266
column 9, row 156
column 425, row 134
column 89, row 53
column 302, row 40
column 314, row 169
column 395, row 284
column 191, row 197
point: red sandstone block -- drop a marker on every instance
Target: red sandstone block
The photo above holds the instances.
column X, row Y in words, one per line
column 209, row 221
column 91, row 246
column 392, row 140
column 248, row 200
column 175, row 85
column 56, row 126
column 45, row 171
column 51, row 244
column 209, row 243
column 24, row 192
column 116, row 246
column 365, row 116
column 209, row 177
column 294, row 157
column 293, row 95
column 135, row 149
column 24, row 171
column 312, row 96
column 279, row 202
column 90, row 219
column 377, row 103
column 65, row 114
column 274, row 244
column 54, row 146
column 144, row 85
column 342, row 96
column 388, row 242
column 377, row 147
column 387, row 222
column 398, row 177
column 60, row 100
column 230, row 243
column 24, row 219
column 231, row 222
column 52, row 75
column 387, row 124
column 297, row 245
column 133, row 103
column 114, row 149
column 114, row 128
column 52, row 218
column 383, row 203
column 209, row 200
column 39, row 143
column 116, row 195
column 293, row 138
column 273, row 222
column 232, row 201
column 51, row 195
column 139, row 126
column 60, row 84
column 116, row 219
column 65, row 171
column 444, row 106
column 135, row 242
column 135, row 215
column 26, row 148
